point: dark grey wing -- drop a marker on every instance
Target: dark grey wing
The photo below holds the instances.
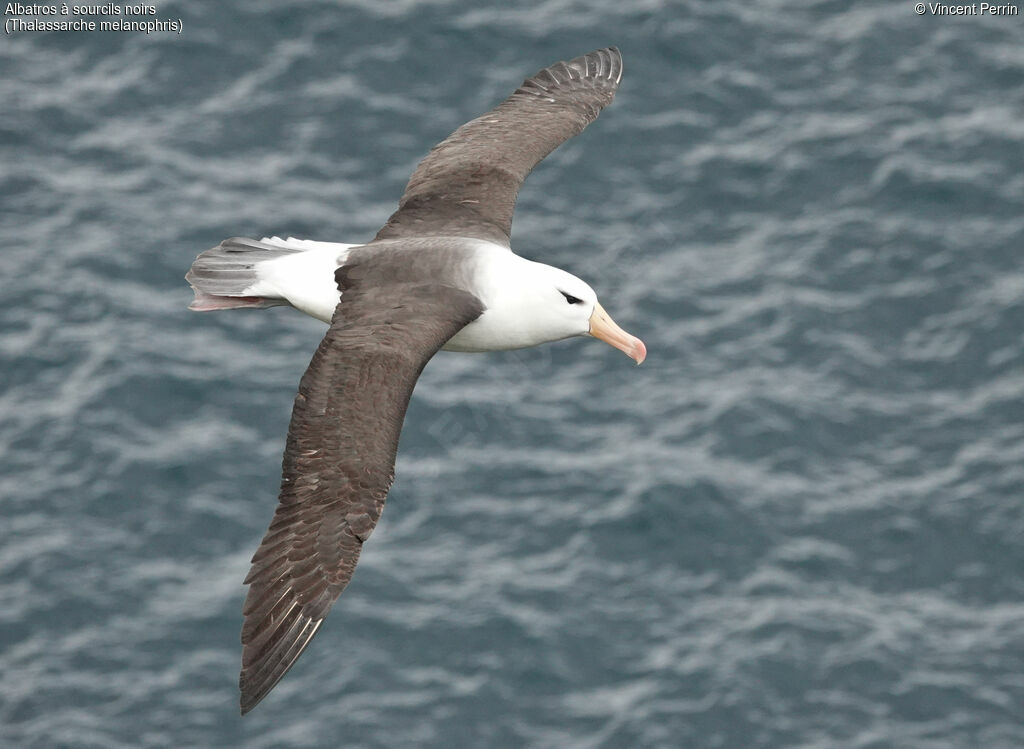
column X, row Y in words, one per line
column 339, row 464
column 467, row 185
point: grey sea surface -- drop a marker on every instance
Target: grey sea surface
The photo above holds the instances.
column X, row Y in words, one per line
column 799, row 524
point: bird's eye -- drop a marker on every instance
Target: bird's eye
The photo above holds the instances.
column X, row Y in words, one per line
column 572, row 299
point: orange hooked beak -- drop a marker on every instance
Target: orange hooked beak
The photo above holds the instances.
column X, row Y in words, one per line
column 604, row 327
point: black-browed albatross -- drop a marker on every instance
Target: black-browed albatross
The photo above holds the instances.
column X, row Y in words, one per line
column 440, row 274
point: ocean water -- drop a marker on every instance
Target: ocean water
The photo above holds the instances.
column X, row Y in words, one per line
column 799, row 524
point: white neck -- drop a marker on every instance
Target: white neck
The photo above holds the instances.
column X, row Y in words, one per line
column 517, row 294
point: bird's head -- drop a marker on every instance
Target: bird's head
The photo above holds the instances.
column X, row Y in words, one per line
column 561, row 306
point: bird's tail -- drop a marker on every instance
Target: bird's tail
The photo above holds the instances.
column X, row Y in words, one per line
column 250, row 273
column 225, row 277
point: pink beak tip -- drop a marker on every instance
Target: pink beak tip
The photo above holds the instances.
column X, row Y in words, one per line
column 639, row 352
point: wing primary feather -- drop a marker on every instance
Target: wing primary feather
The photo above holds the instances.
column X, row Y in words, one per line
column 257, row 686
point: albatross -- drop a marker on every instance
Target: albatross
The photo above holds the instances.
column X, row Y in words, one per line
column 440, row 274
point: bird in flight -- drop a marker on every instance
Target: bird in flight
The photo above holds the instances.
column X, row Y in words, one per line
column 440, row 274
